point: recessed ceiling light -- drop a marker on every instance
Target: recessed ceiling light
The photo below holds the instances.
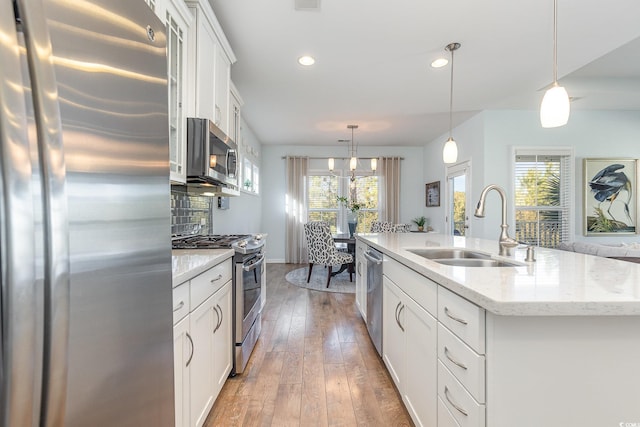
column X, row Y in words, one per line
column 306, row 60
column 440, row 62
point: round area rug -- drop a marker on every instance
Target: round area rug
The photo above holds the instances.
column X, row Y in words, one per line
column 318, row 282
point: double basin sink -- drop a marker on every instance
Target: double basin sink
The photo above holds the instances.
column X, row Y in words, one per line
column 462, row 258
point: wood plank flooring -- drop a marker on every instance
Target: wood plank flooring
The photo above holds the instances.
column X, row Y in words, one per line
column 314, row 365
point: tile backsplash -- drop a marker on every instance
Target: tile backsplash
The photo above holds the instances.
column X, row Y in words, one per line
column 189, row 211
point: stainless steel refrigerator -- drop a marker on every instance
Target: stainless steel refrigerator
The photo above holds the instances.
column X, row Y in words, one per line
column 86, row 332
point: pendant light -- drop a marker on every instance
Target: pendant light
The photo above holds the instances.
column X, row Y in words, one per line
column 555, row 107
column 450, row 150
column 353, row 156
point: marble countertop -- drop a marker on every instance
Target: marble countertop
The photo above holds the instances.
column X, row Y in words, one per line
column 188, row 263
column 558, row 283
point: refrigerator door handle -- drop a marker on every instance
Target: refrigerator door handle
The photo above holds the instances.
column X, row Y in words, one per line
column 21, row 348
column 52, row 164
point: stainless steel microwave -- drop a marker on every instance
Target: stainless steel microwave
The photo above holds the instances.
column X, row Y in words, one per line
column 212, row 157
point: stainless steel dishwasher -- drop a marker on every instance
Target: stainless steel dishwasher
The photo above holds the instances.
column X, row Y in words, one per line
column 374, row 296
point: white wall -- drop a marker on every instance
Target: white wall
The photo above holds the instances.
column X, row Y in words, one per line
column 470, row 139
column 412, row 198
column 245, row 212
column 607, row 134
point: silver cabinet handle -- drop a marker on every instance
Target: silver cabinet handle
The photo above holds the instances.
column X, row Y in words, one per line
column 218, row 317
column 399, row 308
column 359, row 268
column 446, row 395
column 217, row 278
column 179, row 306
column 192, row 349
column 454, row 361
column 457, row 319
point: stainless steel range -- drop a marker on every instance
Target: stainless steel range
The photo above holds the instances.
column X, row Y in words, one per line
column 248, row 269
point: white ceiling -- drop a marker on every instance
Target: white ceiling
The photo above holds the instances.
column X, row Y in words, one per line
column 373, row 63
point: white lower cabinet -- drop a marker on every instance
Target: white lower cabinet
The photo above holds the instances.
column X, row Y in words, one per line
column 410, row 352
column 203, row 320
column 182, row 351
column 202, row 343
column 361, row 279
column 222, row 361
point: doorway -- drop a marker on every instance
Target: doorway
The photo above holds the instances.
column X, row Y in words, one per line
column 459, row 205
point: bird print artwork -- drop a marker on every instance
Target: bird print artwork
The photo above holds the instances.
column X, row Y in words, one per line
column 612, row 192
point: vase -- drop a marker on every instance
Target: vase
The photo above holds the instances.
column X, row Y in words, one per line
column 352, row 222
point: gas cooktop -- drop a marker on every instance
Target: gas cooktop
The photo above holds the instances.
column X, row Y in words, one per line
column 243, row 243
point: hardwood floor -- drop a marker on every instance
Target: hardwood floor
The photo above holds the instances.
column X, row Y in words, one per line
column 314, row 365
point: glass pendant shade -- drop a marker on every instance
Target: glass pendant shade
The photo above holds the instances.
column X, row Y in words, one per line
column 331, row 164
column 374, row 164
column 353, row 163
column 450, row 151
column 555, row 107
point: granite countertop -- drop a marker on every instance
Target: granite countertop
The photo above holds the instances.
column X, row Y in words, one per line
column 188, row 263
column 558, row 283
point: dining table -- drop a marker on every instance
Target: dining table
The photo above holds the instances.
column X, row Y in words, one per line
column 350, row 241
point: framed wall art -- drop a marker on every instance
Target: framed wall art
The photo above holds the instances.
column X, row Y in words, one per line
column 610, row 200
column 433, row 193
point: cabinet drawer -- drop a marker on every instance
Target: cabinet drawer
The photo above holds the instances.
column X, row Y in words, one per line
column 204, row 285
column 445, row 417
column 463, row 318
column 466, row 411
column 418, row 287
column 180, row 302
column 464, row 363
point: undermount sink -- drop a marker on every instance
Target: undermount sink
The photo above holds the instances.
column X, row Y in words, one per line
column 436, row 254
column 462, row 258
column 470, row 262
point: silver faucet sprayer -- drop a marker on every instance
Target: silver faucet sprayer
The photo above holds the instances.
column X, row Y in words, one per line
column 505, row 241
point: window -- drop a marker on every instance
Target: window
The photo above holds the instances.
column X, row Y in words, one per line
column 325, row 188
column 152, row 4
column 250, row 179
column 543, row 206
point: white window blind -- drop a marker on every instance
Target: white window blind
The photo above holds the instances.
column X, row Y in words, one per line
column 543, row 196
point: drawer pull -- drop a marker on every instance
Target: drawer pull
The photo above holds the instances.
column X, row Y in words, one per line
column 446, row 394
column 455, row 362
column 179, row 306
column 217, row 278
column 457, row 319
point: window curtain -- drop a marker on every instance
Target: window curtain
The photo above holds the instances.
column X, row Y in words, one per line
column 389, row 169
column 297, row 169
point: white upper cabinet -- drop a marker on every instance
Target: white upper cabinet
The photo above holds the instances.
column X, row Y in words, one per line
column 235, row 106
column 177, row 20
column 209, row 64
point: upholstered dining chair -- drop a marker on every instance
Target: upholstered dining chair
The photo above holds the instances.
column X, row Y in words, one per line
column 402, row 228
column 382, row 227
column 322, row 249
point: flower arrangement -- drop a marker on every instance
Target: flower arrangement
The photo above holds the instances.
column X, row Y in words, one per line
column 354, row 207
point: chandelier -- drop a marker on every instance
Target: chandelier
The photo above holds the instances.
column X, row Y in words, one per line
column 353, row 156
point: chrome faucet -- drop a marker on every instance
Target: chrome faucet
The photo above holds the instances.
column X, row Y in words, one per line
column 506, row 242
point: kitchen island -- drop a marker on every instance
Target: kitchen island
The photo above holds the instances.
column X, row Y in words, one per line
column 548, row 343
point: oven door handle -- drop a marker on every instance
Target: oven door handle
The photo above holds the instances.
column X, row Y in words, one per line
column 254, row 265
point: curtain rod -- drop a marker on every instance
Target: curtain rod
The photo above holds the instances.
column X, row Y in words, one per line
column 343, row 158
